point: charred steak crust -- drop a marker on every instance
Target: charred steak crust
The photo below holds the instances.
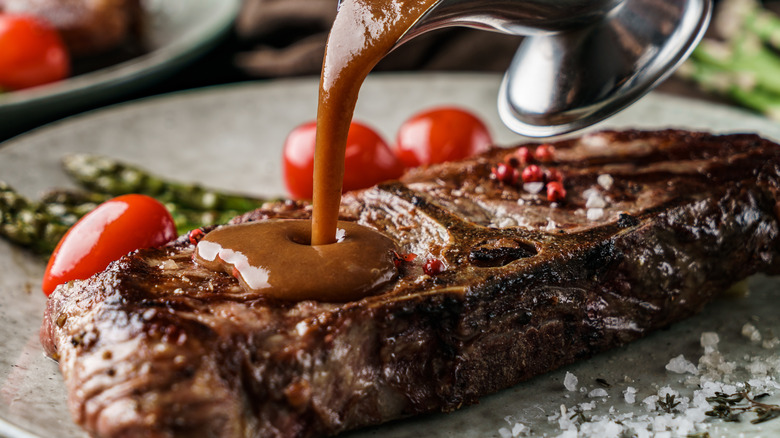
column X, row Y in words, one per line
column 158, row 346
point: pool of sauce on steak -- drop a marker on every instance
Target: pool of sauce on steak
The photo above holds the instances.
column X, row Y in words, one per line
column 324, row 259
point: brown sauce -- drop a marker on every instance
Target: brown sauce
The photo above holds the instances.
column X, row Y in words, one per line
column 363, row 33
column 276, row 259
column 300, row 260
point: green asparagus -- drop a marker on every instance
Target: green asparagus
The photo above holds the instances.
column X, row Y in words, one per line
column 63, row 203
column 27, row 223
column 70, row 205
column 743, row 64
column 741, row 89
column 103, row 175
column 39, row 225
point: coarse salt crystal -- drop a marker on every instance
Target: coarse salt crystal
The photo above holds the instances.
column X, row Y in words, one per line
column 650, row 402
column 770, row 343
column 680, row 365
column 594, row 141
column 630, row 395
column 588, row 192
column 709, row 340
column 605, row 181
column 595, row 214
column 570, row 381
column 168, row 265
column 751, row 332
column 533, row 187
column 505, row 222
column 602, row 428
column 595, row 200
column 598, row 392
column 757, row 368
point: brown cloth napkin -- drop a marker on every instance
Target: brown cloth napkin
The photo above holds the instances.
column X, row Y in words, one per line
column 287, row 38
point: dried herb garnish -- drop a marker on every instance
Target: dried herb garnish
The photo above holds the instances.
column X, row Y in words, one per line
column 580, row 415
column 730, row 407
column 668, row 404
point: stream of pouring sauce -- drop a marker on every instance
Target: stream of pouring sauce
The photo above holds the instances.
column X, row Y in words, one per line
column 323, row 259
column 363, row 33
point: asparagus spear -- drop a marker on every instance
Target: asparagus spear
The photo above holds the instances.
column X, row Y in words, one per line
column 26, row 223
column 748, row 57
column 64, row 202
column 40, row 225
column 742, row 17
column 188, row 219
column 103, row 175
column 743, row 65
column 71, row 205
column 740, row 88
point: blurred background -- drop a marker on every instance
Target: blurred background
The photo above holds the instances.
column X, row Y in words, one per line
column 266, row 39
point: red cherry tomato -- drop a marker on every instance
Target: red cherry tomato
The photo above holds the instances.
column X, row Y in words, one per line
column 113, row 229
column 439, row 135
column 369, row 160
column 31, row 53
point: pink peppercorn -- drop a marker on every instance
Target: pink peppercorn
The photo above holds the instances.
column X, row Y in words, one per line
column 433, row 267
column 553, row 175
column 533, row 173
column 523, row 155
column 544, row 153
column 195, row 236
column 555, row 191
column 512, row 160
column 505, row 174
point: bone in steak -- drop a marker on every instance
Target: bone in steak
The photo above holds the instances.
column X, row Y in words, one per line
column 157, row 346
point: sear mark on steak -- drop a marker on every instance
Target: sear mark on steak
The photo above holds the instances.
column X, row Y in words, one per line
column 159, row 346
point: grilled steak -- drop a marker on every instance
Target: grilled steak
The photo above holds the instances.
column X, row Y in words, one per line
column 159, row 346
column 88, row 27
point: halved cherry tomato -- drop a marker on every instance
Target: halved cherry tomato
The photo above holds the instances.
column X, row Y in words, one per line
column 113, row 229
column 441, row 134
column 369, row 160
column 31, row 53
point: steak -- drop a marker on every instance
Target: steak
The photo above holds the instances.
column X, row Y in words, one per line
column 653, row 225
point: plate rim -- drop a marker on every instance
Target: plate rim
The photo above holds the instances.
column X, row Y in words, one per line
column 179, row 51
column 14, row 431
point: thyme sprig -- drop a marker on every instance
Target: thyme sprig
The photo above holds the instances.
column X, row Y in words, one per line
column 579, row 415
column 668, row 404
column 730, row 407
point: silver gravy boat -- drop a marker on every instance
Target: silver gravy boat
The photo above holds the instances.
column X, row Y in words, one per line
column 581, row 60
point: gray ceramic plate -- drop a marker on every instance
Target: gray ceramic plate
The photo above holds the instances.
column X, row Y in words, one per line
column 176, row 31
column 230, row 137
